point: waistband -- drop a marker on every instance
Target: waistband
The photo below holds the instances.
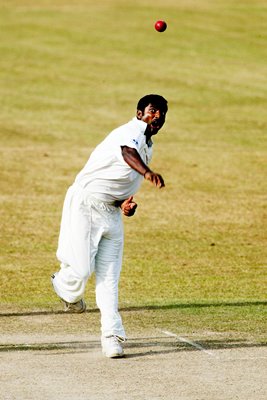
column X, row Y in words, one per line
column 90, row 198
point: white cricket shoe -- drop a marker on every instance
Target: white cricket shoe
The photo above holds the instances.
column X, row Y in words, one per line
column 111, row 346
column 78, row 307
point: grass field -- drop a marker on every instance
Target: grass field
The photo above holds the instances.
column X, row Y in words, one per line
column 195, row 253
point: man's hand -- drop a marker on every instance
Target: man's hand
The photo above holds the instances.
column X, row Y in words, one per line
column 128, row 207
column 154, row 178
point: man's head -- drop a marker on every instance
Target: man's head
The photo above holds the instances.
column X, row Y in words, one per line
column 152, row 109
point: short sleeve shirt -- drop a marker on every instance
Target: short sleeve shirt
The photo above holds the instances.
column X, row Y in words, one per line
column 106, row 175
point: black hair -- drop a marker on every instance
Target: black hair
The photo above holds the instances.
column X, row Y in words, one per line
column 154, row 99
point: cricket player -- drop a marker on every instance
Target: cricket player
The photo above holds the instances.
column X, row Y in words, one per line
column 91, row 232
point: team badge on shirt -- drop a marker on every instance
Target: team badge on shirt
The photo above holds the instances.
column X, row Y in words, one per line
column 135, row 142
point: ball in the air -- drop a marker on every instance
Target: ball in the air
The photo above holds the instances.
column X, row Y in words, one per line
column 160, row 26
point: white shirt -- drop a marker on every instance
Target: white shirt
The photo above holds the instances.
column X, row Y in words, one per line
column 106, row 175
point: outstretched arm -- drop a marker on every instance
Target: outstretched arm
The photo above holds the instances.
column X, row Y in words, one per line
column 133, row 159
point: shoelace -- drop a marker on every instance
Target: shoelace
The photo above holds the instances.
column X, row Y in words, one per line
column 117, row 339
column 120, row 339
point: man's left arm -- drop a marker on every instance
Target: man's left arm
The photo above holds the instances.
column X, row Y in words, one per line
column 128, row 206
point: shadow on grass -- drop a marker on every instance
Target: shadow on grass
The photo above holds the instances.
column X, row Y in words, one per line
column 134, row 348
column 143, row 308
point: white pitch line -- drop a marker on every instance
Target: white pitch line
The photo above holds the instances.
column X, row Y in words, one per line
column 194, row 344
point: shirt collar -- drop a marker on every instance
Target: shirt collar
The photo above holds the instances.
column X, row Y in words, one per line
column 142, row 126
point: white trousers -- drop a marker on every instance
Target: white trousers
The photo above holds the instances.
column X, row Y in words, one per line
column 91, row 240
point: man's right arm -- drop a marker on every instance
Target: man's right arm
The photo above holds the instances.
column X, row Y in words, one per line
column 133, row 159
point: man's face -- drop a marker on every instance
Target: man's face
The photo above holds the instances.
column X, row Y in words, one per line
column 153, row 116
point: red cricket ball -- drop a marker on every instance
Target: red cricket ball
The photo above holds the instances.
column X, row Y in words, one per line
column 160, row 26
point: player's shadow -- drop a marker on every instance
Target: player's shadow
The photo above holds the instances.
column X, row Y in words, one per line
column 134, row 348
column 164, row 346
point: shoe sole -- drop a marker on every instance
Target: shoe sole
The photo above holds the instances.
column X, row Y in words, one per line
column 71, row 311
column 64, row 302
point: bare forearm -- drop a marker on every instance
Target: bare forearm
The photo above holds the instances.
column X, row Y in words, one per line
column 133, row 159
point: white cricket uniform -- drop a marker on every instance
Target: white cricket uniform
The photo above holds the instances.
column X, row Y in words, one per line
column 91, row 232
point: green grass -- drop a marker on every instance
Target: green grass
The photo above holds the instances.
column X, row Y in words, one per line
column 72, row 72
